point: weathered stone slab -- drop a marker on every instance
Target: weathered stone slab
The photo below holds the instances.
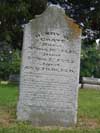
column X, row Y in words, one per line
column 50, row 70
column 88, row 80
column 14, row 78
column 91, row 86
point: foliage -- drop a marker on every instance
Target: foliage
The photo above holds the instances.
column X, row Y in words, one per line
column 90, row 60
column 86, row 14
column 5, row 57
column 15, row 62
column 15, row 13
column 9, row 62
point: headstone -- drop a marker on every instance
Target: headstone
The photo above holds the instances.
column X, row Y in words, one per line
column 14, row 78
column 50, row 70
column 89, row 80
column 91, row 86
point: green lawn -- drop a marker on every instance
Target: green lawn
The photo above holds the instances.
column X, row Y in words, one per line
column 88, row 113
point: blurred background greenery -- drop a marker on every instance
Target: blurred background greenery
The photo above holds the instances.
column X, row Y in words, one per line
column 14, row 14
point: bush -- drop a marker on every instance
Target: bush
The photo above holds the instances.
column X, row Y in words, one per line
column 90, row 60
column 10, row 63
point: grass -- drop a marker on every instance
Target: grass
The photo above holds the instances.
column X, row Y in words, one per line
column 88, row 113
column 89, row 109
column 89, row 103
column 8, row 95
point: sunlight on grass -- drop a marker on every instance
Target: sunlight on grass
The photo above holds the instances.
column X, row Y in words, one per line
column 8, row 95
column 89, row 103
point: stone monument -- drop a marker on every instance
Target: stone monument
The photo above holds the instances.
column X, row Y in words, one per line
column 50, row 70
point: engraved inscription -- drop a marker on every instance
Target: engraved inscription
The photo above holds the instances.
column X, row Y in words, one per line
column 50, row 56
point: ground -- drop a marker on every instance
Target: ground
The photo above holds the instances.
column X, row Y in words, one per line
column 88, row 113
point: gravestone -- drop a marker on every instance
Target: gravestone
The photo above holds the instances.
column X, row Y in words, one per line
column 91, row 80
column 14, row 78
column 50, row 70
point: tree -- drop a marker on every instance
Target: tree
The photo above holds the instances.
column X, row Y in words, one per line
column 90, row 60
column 9, row 61
column 15, row 13
column 86, row 14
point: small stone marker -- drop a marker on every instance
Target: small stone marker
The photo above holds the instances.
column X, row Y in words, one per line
column 50, row 70
column 14, row 78
column 89, row 80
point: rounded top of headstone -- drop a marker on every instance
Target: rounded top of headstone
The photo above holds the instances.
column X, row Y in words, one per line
column 54, row 16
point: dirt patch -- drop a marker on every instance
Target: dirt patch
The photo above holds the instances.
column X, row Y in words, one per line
column 6, row 119
column 89, row 123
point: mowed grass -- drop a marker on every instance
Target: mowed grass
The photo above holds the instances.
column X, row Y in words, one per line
column 8, row 102
column 89, row 109
column 89, row 103
column 88, row 113
column 8, row 95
